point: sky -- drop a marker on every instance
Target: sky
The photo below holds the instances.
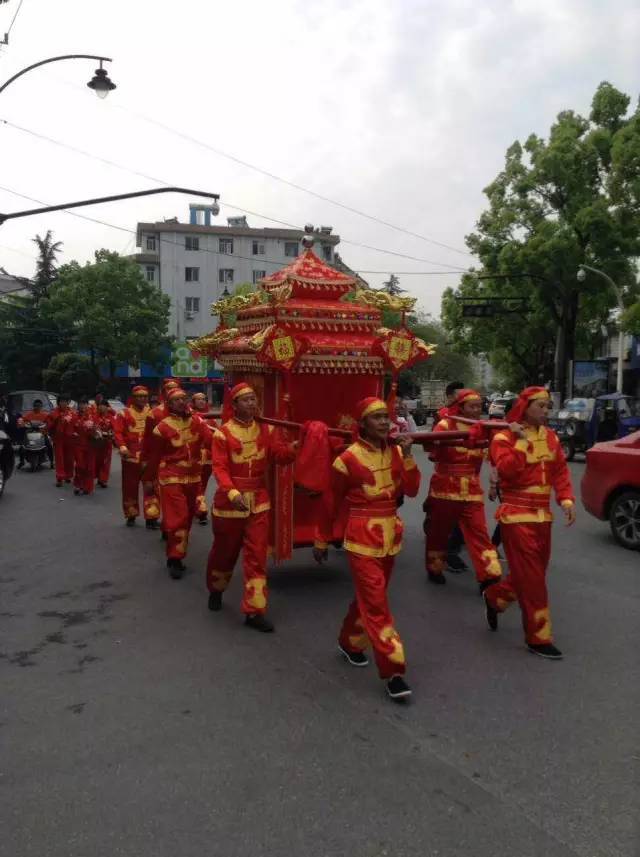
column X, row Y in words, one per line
column 399, row 109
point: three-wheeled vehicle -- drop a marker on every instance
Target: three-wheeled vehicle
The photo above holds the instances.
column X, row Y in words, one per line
column 612, row 416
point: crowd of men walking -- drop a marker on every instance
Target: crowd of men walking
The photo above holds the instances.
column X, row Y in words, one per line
column 170, row 451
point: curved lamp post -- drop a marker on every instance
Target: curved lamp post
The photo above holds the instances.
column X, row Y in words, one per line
column 100, row 82
column 582, row 276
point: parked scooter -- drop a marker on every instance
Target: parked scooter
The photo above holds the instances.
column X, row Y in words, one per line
column 33, row 447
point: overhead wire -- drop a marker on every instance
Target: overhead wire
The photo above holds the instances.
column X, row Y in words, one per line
column 109, row 162
column 13, row 20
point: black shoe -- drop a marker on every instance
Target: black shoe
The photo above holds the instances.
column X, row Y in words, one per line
column 485, row 584
column 102, row 484
column 164, row 536
column 455, row 564
column 398, row 689
column 68, row 481
column 356, row 659
column 492, row 615
column 259, row 623
column 176, row 568
column 152, row 524
column 203, row 521
column 545, row 650
column 131, row 522
column 51, row 465
column 20, row 465
column 438, row 579
column 76, row 491
column 215, row 601
column 84, row 493
column 58, row 483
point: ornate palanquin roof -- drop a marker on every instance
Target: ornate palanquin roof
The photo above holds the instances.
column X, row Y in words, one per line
column 300, row 314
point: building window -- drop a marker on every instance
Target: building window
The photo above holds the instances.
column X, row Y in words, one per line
column 291, row 248
column 151, row 242
column 258, row 275
column 150, row 273
column 225, row 275
column 225, row 245
column 326, row 252
column 192, row 275
column 191, row 242
column 192, row 304
column 257, row 248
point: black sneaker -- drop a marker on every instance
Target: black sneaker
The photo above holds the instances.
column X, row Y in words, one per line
column 356, row 659
column 102, row 484
column 438, row 579
column 398, row 689
column 455, row 564
column 545, row 650
column 152, row 524
column 203, row 521
column 76, row 491
column 259, row 623
column 492, row 615
column 176, row 568
column 215, row 601
column 164, row 536
column 131, row 522
column 58, row 483
column 485, row 584
column 68, row 481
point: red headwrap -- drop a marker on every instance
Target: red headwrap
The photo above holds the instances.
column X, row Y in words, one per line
column 241, row 389
column 517, row 412
column 462, row 396
column 139, row 390
column 177, row 391
column 368, row 406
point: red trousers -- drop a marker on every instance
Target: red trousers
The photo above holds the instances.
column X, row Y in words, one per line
column 441, row 518
column 178, row 509
column 83, row 478
column 103, row 462
column 202, row 493
column 528, row 548
column 251, row 536
column 131, row 473
column 369, row 619
column 64, row 458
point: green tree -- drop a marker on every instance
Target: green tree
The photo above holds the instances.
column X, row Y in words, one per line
column 392, row 286
column 116, row 316
column 573, row 198
column 27, row 340
column 70, row 373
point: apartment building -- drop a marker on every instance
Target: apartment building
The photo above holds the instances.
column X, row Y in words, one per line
column 197, row 263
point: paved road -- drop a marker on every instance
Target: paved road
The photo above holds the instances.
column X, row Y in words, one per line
column 134, row 722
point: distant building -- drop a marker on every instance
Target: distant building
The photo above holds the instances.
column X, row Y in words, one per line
column 199, row 262
column 10, row 285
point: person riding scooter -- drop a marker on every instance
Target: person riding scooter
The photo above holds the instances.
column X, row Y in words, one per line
column 35, row 420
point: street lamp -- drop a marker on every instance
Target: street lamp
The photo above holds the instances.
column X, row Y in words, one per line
column 100, row 82
column 582, row 276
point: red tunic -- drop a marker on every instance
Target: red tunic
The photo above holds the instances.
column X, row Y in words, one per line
column 240, row 455
column 129, row 428
column 60, row 423
column 176, row 448
column 528, row 468
column 457, row 471
column 372, row 480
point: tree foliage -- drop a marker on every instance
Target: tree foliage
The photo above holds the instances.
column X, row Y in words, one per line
column 573, row 198
column 116, row 315
column 71, row 374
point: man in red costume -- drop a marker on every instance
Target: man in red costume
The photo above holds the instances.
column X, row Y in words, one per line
column 60, row 426
column 241, row 453
column 200, row 407
column 129, row 428
column 104, row 441
column 372, row 475
column 84, row 430
column 530, row 462
column 456, row 498
column 174, row 461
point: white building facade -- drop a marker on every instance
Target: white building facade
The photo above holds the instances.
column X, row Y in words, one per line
column 197, row 263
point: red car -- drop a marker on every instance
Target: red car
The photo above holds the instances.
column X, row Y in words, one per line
column 611, row 487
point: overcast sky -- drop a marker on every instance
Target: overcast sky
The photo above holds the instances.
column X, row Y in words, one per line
column 402, row 109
